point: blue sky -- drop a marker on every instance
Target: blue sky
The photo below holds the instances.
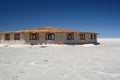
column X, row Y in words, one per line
column 102, row 16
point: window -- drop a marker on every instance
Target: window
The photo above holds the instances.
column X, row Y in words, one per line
column 70, row 36
column 91, row 36
column 95, row 36
column 50, row 36
column 17, row 37
column 82, row 36
column 7, row 36
column 34, row 36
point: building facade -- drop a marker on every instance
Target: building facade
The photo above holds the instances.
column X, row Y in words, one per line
column 47, row 35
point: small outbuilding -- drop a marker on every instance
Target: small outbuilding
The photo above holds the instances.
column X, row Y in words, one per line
column 47, row 35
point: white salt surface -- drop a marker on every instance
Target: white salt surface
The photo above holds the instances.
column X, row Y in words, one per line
column 61, row 62
column 88, row 45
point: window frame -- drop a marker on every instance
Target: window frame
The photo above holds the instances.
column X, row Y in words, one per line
column 82, row 36
column 34, row 36
column 17, row 36
column 91, row 36
column 50, row 36
column 95, row 36
column 70, row 36
column 7, row 36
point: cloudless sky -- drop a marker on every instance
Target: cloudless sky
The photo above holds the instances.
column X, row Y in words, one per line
column 102, row 16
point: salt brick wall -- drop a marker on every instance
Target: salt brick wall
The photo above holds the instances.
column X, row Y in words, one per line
column 11, row 41
column 60, row 38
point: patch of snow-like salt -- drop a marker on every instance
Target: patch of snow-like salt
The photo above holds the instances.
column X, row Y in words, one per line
column 103, row 73
column 88, row 45
column 20, row 46
column 115, row 75
column 31, row 46
column 15, row 45
column 32, row 63
column 4, row 45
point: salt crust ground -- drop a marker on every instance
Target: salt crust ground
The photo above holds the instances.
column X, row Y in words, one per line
column 61, row 62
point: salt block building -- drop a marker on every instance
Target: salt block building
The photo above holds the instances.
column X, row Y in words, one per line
column 47, row 35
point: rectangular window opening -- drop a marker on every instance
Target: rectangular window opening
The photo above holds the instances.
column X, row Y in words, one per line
column 16, row 36
column 50, row 36
column 34, row 36
column 70, row 36
column 95, row 36
column 91, row 36
column 82, row 36
column 7, row 36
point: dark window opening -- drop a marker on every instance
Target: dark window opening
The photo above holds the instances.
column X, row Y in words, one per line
column 82, row 36
column 17, row 37
column 34, row 36
column 50, row 36
column 70, row 36
column 91, row 37
column 7, row 36
column 95, row 36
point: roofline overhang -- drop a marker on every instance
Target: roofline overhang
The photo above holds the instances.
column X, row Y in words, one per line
column 47, row 29
column 48, row 32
